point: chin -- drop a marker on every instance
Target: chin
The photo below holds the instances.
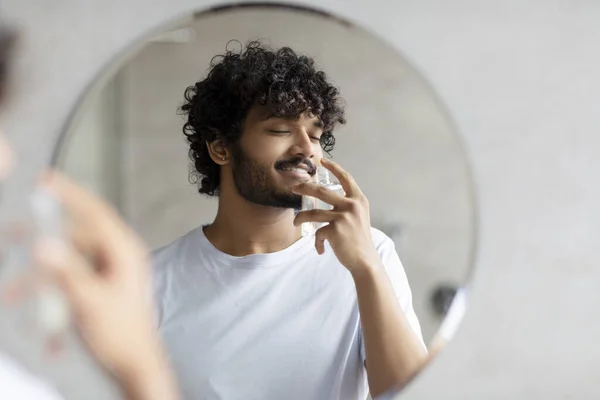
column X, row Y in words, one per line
column 291, row 200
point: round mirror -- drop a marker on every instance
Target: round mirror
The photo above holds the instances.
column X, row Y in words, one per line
column 130, row 139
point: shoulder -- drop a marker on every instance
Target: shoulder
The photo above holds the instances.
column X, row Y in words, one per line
column 387, row 251
column 379, row 238
column 166, row 260
column 383, row 243
column 171, row 252
column 166, row 266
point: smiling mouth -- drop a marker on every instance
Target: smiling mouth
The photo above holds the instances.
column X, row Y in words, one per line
column 296, row 170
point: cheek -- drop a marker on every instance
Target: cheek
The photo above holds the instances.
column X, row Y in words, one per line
column 264, row 151
column 318, row 154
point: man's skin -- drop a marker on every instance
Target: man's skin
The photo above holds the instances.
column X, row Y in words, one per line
column 394, row 353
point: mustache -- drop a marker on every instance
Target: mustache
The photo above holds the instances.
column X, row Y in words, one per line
column 295, row 162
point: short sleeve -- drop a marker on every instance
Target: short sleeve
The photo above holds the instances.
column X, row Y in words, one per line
column 399, row 281
column 158, row 284
column 19, row 384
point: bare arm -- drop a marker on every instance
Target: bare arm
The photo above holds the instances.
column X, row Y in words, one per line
column 394, row 353
column 151, row 379
column 109, row 297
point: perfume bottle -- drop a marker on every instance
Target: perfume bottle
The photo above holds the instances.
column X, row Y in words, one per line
column 52, row 309
column 42, row 306
column 323, row 178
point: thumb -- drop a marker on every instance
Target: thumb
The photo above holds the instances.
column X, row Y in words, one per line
column 320, row 237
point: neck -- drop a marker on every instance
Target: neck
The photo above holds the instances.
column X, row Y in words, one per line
column 242, row 228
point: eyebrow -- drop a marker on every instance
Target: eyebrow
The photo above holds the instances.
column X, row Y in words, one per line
column 317, row 123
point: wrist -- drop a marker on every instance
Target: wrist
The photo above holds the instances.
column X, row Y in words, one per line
column 139, row 368
column 366, row 269
column 147, row 376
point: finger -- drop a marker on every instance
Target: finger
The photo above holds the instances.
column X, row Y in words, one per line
column 68, row 269
column 86, row 207
column 124, row 260
column 85, row 242
column 346, row 180
column 320, row 237
column 321, row 193
column 315, row 216
column 110, row 238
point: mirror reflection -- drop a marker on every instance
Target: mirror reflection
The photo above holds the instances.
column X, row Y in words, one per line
column 209, row 141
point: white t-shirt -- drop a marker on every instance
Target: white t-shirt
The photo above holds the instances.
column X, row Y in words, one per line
column 282, row 325
column 16, row 383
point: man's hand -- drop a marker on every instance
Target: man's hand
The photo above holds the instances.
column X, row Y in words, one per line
column 349, row 228
column 394, row 353
column 105, row 276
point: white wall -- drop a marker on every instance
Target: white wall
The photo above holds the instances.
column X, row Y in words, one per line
column 521, row 79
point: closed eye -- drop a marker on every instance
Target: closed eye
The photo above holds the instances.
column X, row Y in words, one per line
column 274, row 131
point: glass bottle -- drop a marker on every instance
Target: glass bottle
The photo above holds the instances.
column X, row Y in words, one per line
column 326, row 179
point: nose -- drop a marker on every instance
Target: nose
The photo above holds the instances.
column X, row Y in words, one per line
column 304, row 146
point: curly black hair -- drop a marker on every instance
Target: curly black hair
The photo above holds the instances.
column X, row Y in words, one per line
column 286, row 82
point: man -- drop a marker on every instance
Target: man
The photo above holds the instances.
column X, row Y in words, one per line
column 247, row 307
column 108, row 299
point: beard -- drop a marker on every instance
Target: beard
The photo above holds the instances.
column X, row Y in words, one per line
column 255, row 183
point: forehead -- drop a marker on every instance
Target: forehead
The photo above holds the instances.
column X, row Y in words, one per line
column 263, row 113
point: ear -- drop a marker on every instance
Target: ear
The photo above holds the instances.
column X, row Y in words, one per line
column 218, row 151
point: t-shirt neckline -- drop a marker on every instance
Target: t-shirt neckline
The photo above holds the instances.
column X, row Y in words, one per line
column 280, row 257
